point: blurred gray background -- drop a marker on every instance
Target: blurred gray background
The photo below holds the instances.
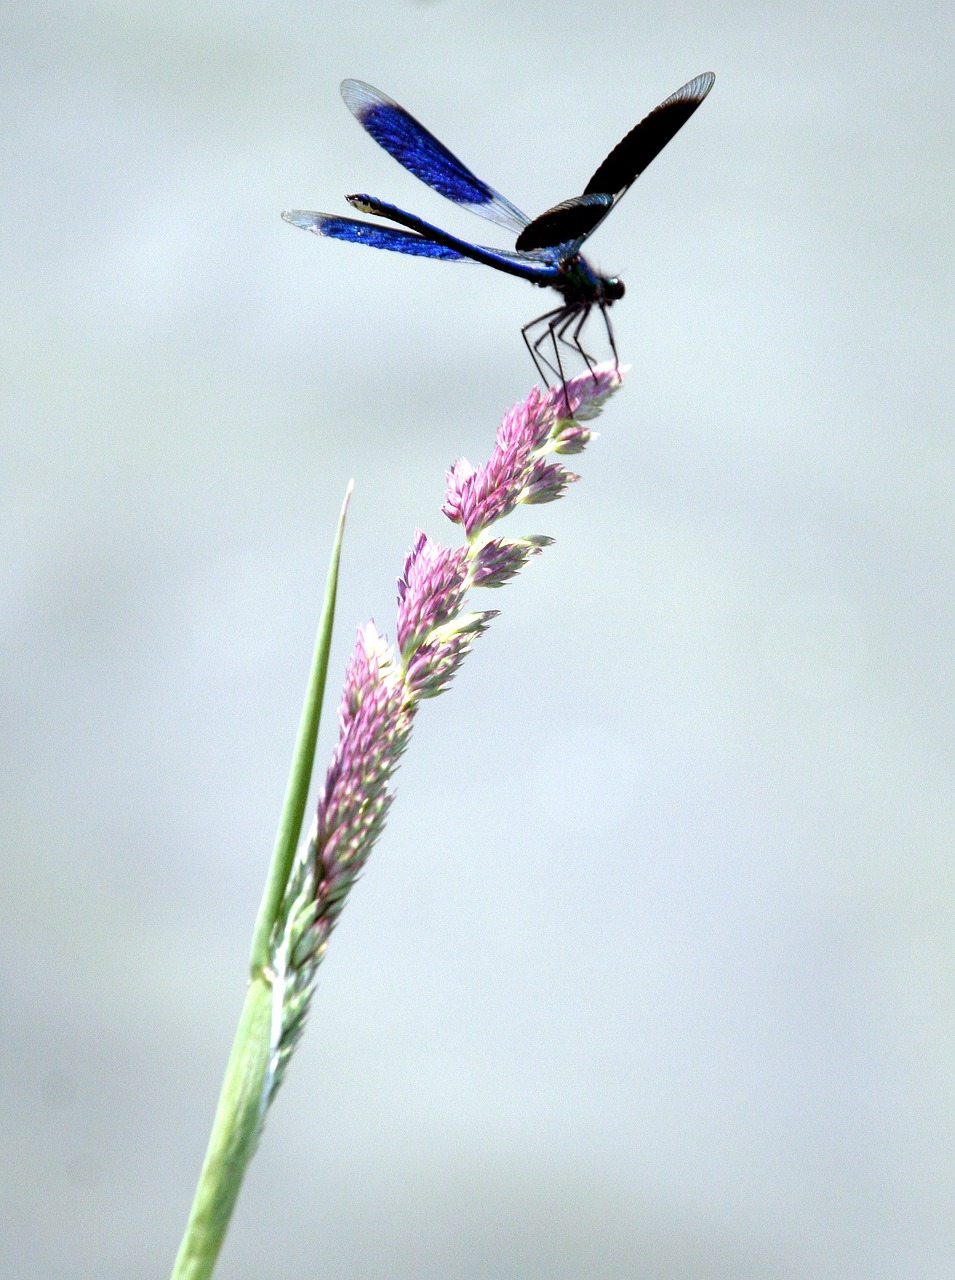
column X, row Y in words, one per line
column 652, row 973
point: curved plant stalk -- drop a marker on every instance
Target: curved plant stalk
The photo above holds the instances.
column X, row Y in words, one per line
column 248, row 1085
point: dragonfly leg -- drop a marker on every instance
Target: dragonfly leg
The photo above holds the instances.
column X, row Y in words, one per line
column 555, row 331
column 548, row 323
column 554, row 327
column 575, row 342
column 540, row 362
column 609, row 328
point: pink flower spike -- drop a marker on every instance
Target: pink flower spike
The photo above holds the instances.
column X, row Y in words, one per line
column 585, row 394
column 526, row 425
column 430, row 590
column 573, row 438
column 433, row 664
column 479, row 497
column 374, row 732
column 500, row 559
column 383, row 691
column 547, row 482
column 456, row 491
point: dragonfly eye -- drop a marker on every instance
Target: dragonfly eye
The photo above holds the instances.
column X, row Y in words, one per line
column 613, row 288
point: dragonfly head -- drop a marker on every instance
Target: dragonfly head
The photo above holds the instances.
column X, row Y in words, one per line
column 613, row 288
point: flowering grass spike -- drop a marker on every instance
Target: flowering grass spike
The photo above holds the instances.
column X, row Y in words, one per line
column 384, row 685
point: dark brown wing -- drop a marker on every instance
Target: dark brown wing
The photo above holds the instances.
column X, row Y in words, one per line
column 572, row 221
column 646, row 140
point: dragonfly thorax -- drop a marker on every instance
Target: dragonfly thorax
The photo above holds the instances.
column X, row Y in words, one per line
column 582, row 286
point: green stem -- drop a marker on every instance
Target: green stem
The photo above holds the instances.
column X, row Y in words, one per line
column 235, row 1132
column 296, row 792
column 246, row 1087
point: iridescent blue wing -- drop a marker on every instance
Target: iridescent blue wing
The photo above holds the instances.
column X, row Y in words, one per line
column 424, row 242
column 582, row 215
column 422, row 154
column 358, row 232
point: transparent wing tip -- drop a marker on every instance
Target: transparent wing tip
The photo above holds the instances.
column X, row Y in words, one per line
column 303, row 218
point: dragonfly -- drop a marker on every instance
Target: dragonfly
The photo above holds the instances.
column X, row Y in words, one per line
column 547, row 250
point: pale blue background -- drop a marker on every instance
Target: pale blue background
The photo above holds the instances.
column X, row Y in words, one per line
column 653, row 972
